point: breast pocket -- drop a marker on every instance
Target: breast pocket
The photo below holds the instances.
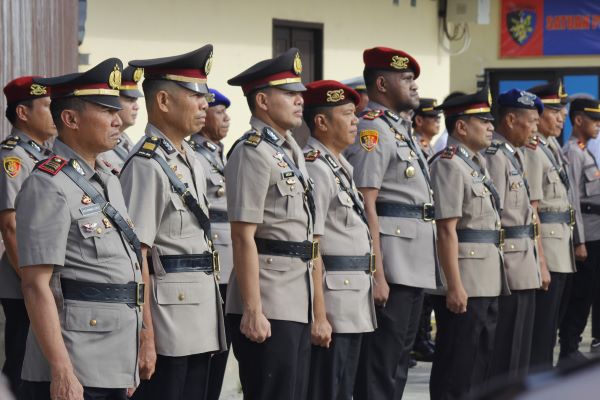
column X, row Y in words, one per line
column 290, row 199
column 182, row 223
column 592, row 180
column 515, row 191
column 553, row 187
column 100, row 239
column 481, row 204
column 344, row 209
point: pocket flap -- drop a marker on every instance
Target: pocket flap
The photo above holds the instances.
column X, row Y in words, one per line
column 94, row 226
column 217, row 179
column 554, row 231
column 474, row 250
column 220, row 235
column 347, row 281
column 479, row 189
column 553, row 176
column 591, row 173
column 405, row 228
column 515, row 183
column 88, row 319
column 345, row 199
column 177, row 202
column 275, row 263
column 514, row 245
column 289, row 186
column 179, row 293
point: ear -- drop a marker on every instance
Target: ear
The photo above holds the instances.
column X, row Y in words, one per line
column 578, row 121
column 162, row 99
column 418, row 120
column 460, row 128
column 381, row 84
column 70, row 119
column 262, row 101
column 22, row 112
column 320, row 122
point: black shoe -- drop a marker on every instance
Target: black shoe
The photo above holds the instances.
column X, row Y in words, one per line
column 570, row 359
column 412, row 362
column 423, row 351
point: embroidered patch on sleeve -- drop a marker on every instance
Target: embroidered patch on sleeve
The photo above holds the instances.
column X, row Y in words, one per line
column 369, row 139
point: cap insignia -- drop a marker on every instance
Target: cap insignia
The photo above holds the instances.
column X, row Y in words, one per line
column 114, row 79
column 138, row 74
column 37, row 90
column 527, row 99
column 399, row 62
column 210, row 97
column 297, row 64
column 208, row 65
column 333, row 96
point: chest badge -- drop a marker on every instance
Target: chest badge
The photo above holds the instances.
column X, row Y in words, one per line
column 86, row 199
column 281, row 162
column 107, row 223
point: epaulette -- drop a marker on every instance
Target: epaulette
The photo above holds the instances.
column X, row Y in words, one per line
column 581, row 145
column 149, row 147
column 449, row 152
column 210, row 145
column 253, row 139
column 373, row 114
column 52, row 165
column 166, row 146
column 10, row 143
column 493, row 149
column 312, row 155
column 192, row 144
column 532, row 143
column 392, row 115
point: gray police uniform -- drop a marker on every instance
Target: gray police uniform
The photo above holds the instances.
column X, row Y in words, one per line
column 19, row 154
column 585, row 181
column 464, row 342
column 425, row 147
column 345, row 248
column 549, row 185
column 386, row 157
column 516, row 312
column 114, row 159
column 263, row 189
column 69, row 232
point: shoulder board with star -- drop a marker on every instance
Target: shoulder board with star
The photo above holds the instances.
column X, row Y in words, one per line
column 166, row 146
column 373, row 114
column 493, row 149
column 52, row 165
column 253, row 139
column 449, row 152
column 533, row 143
column 193, row 144
column 331, row 161
column 312, row 155
column 148, row 148
column 10, row 143
column 210, row 146
column 392, row 115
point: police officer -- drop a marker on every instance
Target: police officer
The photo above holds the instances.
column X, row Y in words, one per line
column 518, row 115
column 469, row 243
column 342, row 275
column 426, row 124
column 28, row 111
column 129, row 93
column 79, row 256
column 585, row 119
column 549, row 186
column 358, row 84
column 391, row 172
column 209, row 148
column 270, row 207
column 165, row 187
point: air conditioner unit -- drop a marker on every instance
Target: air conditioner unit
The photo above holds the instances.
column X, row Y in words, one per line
column 475, row 11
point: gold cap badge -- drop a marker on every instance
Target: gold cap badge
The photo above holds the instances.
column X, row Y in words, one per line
column 297, row 64
column 138, row 74
column 333, row 96
column 208, row 65
column 37, row 90
column 399, row 62
column 114, row 79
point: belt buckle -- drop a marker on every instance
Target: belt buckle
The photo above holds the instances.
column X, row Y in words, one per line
column 571, row 216
column 427, row 209
column 372, row 267
column 315, row 250
column 502, row 237
column 140, row 294
column 536, row 230
column 185, row 194
column 216, row 263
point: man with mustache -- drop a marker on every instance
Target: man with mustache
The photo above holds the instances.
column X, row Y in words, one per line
column 165, row 187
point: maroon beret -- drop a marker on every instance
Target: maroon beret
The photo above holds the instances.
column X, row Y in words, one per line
column 328, row 93
column 391, row 60
column 24, row 88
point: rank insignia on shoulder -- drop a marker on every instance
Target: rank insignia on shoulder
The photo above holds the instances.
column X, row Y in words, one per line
column 77, row 167
column 581, row 145
column 533, row 143
column 12, row 166
column 270, row 135
column 369, row 139
column 449, row 152
column 331, row 161
column 493, row 149
column 52, row 165
column 167, row 146
column 148, row 148
column 10, row 143
column 253, row 140
column 312, row 155
column 35, row 145
column 192, row 144
column 210, row 146
column 392, row 115
column 373, row 114
column 509, row 147
column 463, row 152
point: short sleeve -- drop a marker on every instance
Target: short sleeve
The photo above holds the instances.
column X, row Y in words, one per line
column 370, row 155
column 448, row 186
column 324, row 193
column 14, row 172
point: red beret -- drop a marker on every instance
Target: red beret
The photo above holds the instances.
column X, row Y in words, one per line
column 329, row 93
column 24, row 88
column 391, row 60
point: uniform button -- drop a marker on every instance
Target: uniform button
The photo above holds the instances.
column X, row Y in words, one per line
column 512, row 246
column 215, row 236
column 269, row 260
column 552, row 232
column 93, row 322
column 471, row 253
column 398, row 231
column 433, row 221
column 346, row 282
column 485, row 190
column 292, row 187
column 98, row 230
column 181, row 296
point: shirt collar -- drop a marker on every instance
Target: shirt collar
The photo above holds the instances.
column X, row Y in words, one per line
column 63, row 150
column 259, row 126
column 152, row 130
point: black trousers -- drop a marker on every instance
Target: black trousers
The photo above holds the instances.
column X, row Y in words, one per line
column 383, row 365
column 596, row 317
column 218, row 362
column 424, row 331
column 15, row 339
column 545, row 324
column 584, row 289
column 278, row 368
column 41, row 391
column 333, row 370
column 176, row 378
column 514, row 334
column 463, row 347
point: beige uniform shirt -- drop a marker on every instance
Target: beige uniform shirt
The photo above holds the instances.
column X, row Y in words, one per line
column 261, row 192
column 186, row 306
column 522, row 268
column 113, row 160
column 546, row 187
column 384, row 161
column 214, row 167
column 464, row 196
column 17, row 164
column 348, row 294
column 56, row 226
column 586, row 185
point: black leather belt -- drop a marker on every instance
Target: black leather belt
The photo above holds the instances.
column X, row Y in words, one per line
column 306, row 250
column 129, row 293
column 364, row 263
column 521, row 231
column 556, row 217
column 205, row 262
column 218, row 216
column 426, row 211
column 481, row 236
column 590, row 208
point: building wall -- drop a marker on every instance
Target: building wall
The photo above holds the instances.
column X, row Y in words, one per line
column 241, row 32
column 484, row 52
